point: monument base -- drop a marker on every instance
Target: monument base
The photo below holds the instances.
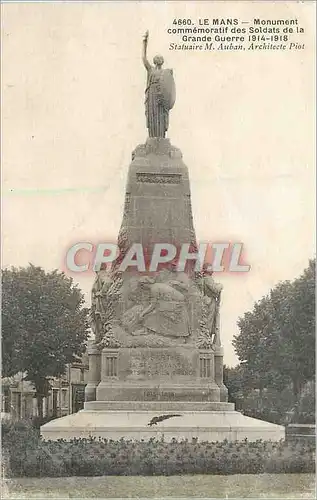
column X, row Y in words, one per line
column 161, row 420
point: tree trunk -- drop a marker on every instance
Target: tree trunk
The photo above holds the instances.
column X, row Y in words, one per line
column 297, row 388
column 39, row 399
column 261, row 390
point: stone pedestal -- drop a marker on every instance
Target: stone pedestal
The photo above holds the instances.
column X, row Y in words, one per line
column 157, row 374
column 135, row 424
column 163, row 358
column 157, row 201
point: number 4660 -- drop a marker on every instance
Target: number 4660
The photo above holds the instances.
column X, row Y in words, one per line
column 181, row 22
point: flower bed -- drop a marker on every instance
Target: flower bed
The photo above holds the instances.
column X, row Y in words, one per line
column 28, row 455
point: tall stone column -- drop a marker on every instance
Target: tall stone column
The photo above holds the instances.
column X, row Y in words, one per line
column 94, row 374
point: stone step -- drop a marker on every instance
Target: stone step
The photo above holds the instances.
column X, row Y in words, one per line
column 166, row 406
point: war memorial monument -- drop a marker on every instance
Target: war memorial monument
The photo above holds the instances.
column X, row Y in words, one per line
column 156, row 363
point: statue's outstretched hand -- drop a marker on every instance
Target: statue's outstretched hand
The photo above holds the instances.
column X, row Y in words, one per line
column 146, row 36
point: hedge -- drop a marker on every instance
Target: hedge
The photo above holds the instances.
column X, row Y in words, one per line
column 26, row 454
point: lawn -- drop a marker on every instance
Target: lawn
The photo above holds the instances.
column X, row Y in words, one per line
column 190, row 486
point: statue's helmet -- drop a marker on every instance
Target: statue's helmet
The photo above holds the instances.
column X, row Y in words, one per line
column 158, row 60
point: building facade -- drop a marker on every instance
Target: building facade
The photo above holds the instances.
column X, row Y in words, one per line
column 66, row 395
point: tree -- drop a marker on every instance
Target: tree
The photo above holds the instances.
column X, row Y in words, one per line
column 276, row 343
column 301, row 334
column 235, row 381
column 44, row 325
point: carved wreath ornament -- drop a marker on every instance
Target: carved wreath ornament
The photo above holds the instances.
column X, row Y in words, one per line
column 204, row 340
column 108, row 339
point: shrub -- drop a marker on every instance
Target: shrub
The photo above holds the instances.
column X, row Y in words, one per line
column 16, row 433
column 28, row 455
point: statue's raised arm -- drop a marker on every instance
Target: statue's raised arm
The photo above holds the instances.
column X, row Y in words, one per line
column 144, row 51
column 159, row 93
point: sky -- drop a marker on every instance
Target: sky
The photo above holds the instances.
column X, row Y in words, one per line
column 72, row 112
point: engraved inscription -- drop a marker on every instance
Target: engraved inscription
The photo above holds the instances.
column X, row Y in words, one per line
column 158, row 178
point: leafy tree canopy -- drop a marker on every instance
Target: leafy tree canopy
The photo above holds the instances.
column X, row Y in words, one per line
column 276, row 342
column 44, row 324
